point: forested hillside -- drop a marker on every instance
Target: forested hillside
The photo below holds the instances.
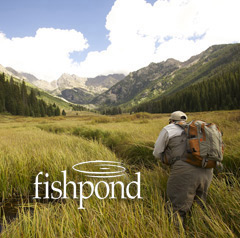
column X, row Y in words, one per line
column 220, row 92
column 15, row 99
column 167, row 78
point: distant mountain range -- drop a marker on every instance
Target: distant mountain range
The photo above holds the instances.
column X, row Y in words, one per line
column 72, row 88
column 168, row 77
column 84, row 90
column 146, row 84
column 41, row 94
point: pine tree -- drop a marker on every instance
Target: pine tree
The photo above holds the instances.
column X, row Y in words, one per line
column 24, row 98
column 50, row 110
column 15, row 99
column 221, row 91
column 64, row 113
column 42, row 106
column 2, row 97
column 57, row 111
column 34, row 103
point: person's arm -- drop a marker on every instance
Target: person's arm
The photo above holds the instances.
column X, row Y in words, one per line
column 161, row 143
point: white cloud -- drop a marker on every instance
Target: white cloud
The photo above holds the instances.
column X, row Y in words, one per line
column 46, row 55
column 139, row 33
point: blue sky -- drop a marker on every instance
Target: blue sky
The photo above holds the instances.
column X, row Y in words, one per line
column 92, row 37
column 23, row 18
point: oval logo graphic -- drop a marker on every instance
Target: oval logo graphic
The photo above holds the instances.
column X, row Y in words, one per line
column 100, row 169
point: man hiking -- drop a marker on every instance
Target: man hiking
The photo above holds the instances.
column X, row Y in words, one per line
column 187, row 182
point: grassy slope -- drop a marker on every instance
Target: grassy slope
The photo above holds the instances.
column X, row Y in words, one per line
column 221, row 57
column 215, row 59
column 30, row 145
column 48, row 98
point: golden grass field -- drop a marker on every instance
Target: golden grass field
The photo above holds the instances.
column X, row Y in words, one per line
column 30, row 145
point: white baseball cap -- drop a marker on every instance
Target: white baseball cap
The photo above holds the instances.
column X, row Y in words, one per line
column 178, row 116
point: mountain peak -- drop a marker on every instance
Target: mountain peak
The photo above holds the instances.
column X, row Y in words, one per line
column 167, row 77
column 172, row 61
column 71, row 81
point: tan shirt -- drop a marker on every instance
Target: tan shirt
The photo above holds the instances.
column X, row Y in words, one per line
column 167, row 133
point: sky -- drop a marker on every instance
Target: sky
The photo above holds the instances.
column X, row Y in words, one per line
column 98, row 37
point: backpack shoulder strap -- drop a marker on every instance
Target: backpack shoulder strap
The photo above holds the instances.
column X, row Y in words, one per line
column 184, row 125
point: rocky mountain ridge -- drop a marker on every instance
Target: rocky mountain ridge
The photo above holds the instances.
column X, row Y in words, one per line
column 168, row 77
column 69, row 86
column 146, row 84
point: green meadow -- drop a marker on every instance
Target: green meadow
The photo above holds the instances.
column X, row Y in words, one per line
column 30, row 145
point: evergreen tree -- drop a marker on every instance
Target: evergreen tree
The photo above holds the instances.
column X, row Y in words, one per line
column 34, row 103
column 57, row 111
column 64, row 113
column 2, row 97
column 219, row 92
column 15, row 99
column 50, row 110
column 24, row 98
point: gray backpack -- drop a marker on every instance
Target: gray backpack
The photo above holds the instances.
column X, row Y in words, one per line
column 204, row 144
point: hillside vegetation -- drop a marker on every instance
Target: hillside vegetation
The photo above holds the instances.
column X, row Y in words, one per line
column 167, row 78
column 40, row 94
column 30, row 145
column 15, row 99
column 219, row 92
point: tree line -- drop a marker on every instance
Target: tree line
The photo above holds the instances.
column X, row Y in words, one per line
column 218, row 92
column 15, row 99
column 78, row 107
column 111, row 111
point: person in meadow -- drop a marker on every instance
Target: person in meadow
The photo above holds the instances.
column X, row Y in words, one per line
column 187, row 183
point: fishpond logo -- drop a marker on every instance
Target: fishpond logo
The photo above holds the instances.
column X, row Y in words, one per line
column 83, row 190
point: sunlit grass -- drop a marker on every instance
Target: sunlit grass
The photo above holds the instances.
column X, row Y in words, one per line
column 30, row 145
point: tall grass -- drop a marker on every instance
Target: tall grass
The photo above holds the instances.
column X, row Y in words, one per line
column 134, row 141
column 29, row 146
column 25, row 153
column 147, row 217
